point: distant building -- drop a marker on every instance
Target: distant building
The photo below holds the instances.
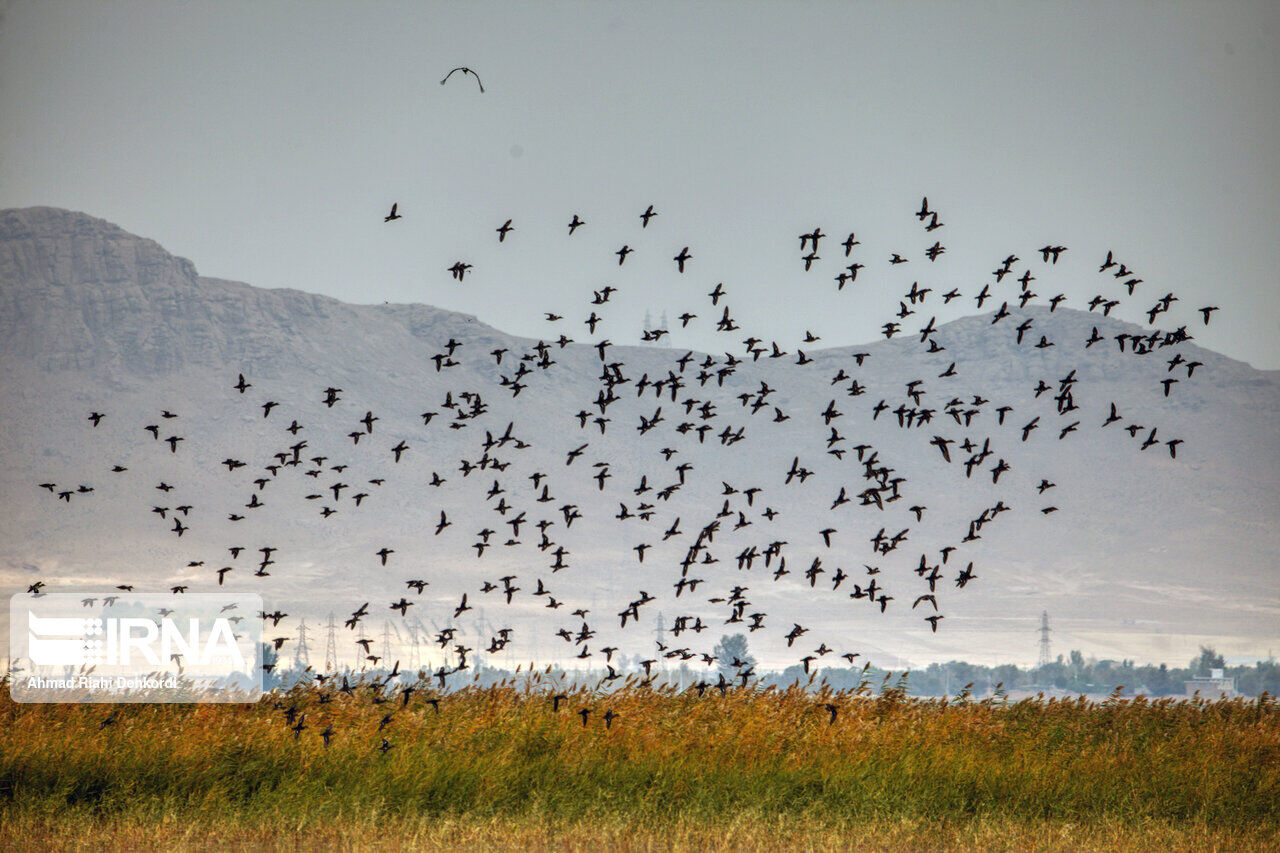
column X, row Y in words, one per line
column 1216, row 686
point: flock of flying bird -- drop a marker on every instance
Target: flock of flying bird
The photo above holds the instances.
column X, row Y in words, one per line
column 694, row 405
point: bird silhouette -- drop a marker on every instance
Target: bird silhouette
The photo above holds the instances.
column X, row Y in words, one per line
column 681, row 258
column 465, row 71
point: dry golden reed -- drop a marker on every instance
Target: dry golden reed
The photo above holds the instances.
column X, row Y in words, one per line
column 818, row 764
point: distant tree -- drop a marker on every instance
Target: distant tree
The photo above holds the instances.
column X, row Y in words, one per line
column 925, row 682
column 1007, row 676
column 848, row 678
column 730, row 648
column 268, row 660
column 1267, row 677
column 1160, row 682
column 1208, row 660
column 793, row 674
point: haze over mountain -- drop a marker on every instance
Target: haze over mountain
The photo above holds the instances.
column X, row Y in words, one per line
column 1145, row 557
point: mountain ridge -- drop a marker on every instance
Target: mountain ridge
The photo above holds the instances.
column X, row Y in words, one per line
column 166, row 270
column 94, row 317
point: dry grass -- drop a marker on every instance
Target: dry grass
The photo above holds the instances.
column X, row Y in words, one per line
column 498, row 768
column 80, row 831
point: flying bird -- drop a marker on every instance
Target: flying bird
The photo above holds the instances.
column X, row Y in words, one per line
column 464, row 70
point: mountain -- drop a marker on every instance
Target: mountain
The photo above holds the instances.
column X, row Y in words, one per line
column 1146, row 555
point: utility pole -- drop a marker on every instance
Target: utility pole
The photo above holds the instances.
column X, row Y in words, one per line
column 331, row 646
column 415, row 657
column 386, row 642
column 1044, row 639
column 659, row 635
column 302, row 653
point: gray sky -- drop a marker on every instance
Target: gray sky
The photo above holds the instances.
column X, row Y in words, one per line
column 265, row 141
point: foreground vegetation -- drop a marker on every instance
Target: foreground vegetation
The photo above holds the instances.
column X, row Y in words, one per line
column 498, row 765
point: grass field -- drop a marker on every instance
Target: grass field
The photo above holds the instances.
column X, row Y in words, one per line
column 749, row 769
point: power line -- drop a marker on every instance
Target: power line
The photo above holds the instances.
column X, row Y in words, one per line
column 1044, row 639
column 331, row 646
column 386, row 640
column 660, row 635
column 302, row 652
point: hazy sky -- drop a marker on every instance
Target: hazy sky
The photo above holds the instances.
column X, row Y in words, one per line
column 266, row 140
